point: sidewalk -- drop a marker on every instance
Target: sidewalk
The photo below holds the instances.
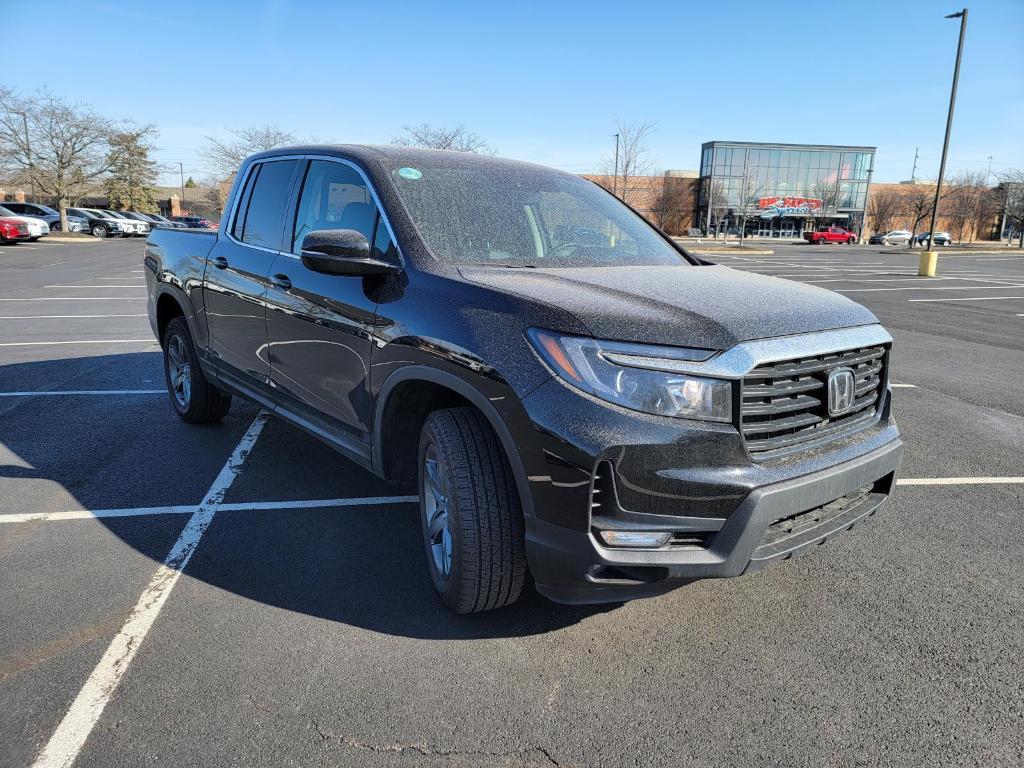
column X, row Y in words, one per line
column 710, row 245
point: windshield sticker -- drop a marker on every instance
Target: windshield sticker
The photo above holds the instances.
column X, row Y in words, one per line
column 410, row 173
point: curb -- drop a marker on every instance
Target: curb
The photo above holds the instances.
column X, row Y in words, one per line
column 953, row 252
column 727, row 251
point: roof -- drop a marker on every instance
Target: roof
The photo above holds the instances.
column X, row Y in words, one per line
column 777, row 145
column 396, row 155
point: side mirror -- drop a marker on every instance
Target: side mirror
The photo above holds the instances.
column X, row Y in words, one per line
column 342, row 252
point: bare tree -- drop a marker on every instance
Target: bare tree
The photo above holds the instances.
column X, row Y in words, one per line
column 1013, row 182
column 633, row 159
column 59, row 147
column 718, row 204
column 918, row 202
column 971, row 204
column 457, row 139
column 827, row 191
column 750, row 192
column 223, row 158
column 670, row 205
column 883, row 205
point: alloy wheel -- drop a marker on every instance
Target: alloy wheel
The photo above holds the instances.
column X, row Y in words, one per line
column 435, row 512
column 179, row 371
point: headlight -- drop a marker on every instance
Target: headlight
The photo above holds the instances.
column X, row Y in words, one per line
column 641, row 377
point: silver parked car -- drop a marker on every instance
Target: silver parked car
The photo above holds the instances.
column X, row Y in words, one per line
column 895, row 237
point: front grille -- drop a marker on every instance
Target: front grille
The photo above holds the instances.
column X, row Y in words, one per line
column 784, row 405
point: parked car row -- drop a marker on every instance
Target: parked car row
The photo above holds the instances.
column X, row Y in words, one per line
column 903, row 237
column 40, row 220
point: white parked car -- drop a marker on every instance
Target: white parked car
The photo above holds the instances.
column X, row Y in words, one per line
column 895, row 237
column 130, row 225
column 36, row 227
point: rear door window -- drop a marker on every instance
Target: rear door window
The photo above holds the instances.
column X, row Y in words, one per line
column 263, row 224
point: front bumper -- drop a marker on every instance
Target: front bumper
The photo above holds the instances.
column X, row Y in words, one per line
column 570, row 566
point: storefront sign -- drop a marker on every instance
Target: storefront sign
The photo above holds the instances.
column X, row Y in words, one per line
column 774, row 206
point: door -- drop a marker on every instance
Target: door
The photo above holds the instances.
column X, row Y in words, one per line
column 320, row 326
column 236, row 275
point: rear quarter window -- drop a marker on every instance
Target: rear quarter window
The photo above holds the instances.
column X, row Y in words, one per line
column 262, row 221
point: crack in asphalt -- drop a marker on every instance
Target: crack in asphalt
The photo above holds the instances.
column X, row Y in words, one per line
column 424, row 750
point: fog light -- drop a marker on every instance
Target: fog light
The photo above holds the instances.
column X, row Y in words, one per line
column 636, row 538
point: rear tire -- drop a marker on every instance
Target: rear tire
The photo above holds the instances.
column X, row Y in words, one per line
column 472, row 519
column 194, row 398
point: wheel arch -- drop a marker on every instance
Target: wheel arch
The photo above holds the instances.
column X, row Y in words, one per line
column 168, row 307
column 448, row 390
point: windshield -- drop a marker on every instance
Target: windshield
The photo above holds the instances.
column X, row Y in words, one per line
column 6, row 212
column 115, row 215
column 519, row 215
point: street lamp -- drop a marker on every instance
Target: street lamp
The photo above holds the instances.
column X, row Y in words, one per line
column 928, row 258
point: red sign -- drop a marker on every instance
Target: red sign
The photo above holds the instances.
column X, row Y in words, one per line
column 805, row 204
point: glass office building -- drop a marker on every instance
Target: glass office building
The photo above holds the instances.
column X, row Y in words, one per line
column 782, row 190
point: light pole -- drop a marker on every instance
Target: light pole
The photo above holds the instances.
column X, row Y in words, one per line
column 181, row 170
column 928, row 259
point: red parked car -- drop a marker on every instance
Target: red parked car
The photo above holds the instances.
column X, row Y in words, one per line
column 13, row 230
column 824, row 235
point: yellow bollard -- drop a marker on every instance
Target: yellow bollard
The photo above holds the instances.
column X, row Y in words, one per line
column 929, row 260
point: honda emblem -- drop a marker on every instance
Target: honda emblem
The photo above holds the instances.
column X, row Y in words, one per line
column 842, row 385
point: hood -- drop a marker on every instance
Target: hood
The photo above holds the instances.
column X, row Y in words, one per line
column 711, row 307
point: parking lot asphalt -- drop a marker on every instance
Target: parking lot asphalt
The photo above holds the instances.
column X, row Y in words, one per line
column 304, row 631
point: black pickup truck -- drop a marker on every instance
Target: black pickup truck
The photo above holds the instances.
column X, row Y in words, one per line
column 571, row 393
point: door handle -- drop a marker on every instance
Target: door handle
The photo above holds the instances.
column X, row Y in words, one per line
column 281, row 281
column 220, row 262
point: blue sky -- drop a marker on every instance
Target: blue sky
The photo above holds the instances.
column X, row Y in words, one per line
column 546, row 81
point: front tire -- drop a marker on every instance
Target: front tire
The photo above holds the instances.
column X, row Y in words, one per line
column 472, row 519
column 99, row 230
column 194, row 398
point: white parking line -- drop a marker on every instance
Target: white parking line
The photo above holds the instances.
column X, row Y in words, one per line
column 903, row 386
column 960, row 480
column 133, row 287
column 70, row 736
column 61, row 317
column 972, row 298
column 80, row 298
column 183, row 509
column 86, row 341
column 69, row 392
column 937, row 288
